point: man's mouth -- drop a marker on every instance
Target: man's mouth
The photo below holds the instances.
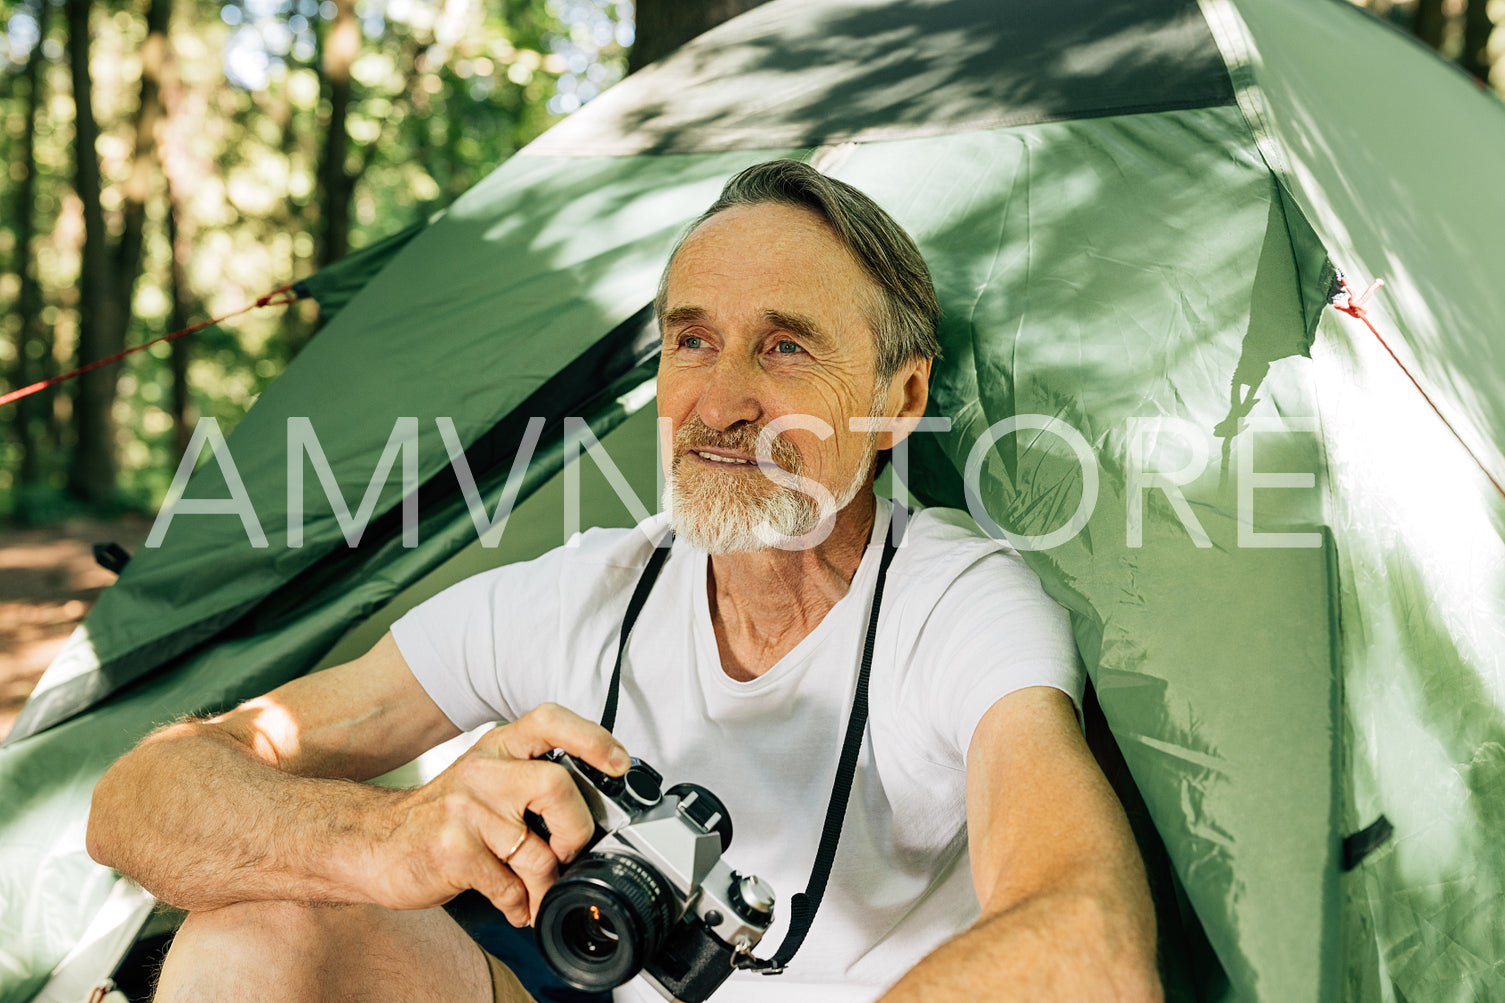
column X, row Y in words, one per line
column 720, row 458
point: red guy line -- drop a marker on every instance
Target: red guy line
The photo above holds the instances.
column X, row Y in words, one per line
column 1355, row 308
column 277, row 297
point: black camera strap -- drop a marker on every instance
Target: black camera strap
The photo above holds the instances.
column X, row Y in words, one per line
column 802, row 905
column 634, row 607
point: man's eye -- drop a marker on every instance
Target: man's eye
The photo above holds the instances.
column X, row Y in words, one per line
column 786, row 347
column 692, row 341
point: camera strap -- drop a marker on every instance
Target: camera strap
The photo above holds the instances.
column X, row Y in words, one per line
column 634, row 607
column 802, row 905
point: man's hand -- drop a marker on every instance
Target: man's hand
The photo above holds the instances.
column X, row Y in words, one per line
column 258, row 805
column 459, row 830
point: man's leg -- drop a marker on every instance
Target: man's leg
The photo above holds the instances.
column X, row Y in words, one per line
column 285, row 951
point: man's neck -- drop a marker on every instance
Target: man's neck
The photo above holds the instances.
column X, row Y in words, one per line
column 764, row 602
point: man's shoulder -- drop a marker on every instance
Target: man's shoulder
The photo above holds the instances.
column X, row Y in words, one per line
column 580, row 576
column 607, row 547
column 947, row 561
column 940, row 525
column 943, row 542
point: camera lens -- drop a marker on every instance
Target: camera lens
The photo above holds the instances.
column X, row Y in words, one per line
column 589, row 934
column 602, row 920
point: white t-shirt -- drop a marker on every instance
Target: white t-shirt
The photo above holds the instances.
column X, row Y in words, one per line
column 963, row 623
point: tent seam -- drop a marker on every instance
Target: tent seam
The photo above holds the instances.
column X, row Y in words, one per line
column 710, row 143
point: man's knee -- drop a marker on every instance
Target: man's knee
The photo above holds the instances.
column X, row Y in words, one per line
column 278, row 933
column 280, row 920
column 250, row 947
column 289, row 950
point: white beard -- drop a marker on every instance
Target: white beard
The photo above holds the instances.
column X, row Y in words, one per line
column 732, row 512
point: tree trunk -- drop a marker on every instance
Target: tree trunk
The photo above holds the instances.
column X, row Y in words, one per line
column 32, row 341
column 1430, row 22
column 1477, row 27
column 183, row 417
column 341, row 44
column 126, row 257
column 91, row 475
column 180, row 174
column 665, row 25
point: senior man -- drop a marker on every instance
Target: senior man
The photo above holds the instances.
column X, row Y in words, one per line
column 983, row 855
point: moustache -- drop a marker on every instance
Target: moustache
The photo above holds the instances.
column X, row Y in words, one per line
column 696, row 434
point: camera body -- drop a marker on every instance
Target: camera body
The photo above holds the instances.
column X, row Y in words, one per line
column 651, row 891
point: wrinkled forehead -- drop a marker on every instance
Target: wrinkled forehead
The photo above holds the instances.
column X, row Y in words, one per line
column 770, row 258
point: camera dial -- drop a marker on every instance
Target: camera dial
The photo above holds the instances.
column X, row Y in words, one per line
column 642, row 783
column 752, row 897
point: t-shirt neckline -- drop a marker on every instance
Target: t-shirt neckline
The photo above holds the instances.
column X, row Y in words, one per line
column 708, row 655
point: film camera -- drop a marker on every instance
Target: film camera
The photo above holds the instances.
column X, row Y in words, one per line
column 650, row 892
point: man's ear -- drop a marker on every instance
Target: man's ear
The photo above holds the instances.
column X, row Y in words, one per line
column 908, row 394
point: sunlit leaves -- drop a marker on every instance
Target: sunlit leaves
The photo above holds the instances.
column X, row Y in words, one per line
column 443, row 90
column 592, row 48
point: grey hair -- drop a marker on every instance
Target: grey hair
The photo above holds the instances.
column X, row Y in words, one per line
column 905, row 317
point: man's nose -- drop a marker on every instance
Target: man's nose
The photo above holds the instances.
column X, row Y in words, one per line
column 730, row 394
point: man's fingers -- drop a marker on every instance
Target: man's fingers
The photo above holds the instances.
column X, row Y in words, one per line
column 549, row 726
column 502, row 887
column 552, row 794
column 507, row 788
column 534, row 863
column 527, row 857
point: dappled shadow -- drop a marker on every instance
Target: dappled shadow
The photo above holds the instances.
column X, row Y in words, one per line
column 537, row 262
column 527, row 275
column 1393, row 153
column 1277, row 321
column 806, row 74
column 1429, row 704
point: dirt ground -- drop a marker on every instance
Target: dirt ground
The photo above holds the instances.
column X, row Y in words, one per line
column 48, row 581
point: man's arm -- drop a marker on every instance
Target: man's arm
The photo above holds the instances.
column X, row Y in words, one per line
column 259, row 804
column 1066, row 910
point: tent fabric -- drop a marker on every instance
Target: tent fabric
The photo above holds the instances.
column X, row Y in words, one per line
column 1135, row 214
column 49, row 886
column 1396, row 170
column 334, row 286
column 823, row 73
column 1377, row 160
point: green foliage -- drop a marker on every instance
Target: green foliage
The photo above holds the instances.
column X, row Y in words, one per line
column 441, row 92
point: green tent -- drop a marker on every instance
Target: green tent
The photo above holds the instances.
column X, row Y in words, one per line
column 1290, row 583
